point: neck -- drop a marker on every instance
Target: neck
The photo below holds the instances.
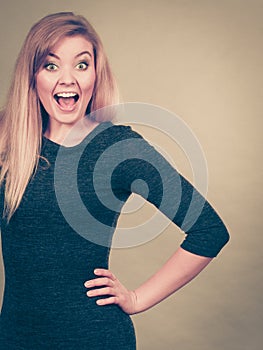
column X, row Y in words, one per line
column 69, row 136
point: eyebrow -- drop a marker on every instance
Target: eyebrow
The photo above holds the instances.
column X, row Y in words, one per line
column 78, row 55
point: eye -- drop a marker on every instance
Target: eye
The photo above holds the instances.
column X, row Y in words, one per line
column 82, row 66
column 51, row 66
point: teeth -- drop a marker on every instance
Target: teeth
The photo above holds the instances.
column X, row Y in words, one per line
column 66, row 94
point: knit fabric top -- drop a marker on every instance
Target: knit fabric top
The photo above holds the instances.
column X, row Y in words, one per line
column 63, row 229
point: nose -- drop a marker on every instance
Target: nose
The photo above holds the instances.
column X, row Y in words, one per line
column 66, row 77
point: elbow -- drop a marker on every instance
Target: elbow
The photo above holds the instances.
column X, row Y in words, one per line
column 224, row 237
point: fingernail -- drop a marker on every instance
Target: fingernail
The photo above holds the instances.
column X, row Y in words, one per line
column 87, row 284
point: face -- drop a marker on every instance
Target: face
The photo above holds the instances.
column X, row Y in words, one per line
column 65, row 82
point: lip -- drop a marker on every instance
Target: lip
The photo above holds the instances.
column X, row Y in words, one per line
column 66, row 94
column 62, row 92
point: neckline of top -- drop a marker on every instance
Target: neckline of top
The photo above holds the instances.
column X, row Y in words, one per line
column 56, row 146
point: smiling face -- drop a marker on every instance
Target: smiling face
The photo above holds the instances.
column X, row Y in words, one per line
column 65, row 83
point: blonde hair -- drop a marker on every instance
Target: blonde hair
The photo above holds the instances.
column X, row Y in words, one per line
column 23, row 118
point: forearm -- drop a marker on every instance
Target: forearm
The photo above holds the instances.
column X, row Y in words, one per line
column 180, row 269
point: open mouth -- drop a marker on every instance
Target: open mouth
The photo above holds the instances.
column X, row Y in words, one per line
column 66, row 100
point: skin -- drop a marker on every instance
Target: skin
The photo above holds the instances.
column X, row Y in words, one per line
column 70, row 67
column 180, row 269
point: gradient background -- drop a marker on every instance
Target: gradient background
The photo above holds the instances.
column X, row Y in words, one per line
column 200, row 59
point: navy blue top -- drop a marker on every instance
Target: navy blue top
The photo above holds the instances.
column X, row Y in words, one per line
column 63, row 229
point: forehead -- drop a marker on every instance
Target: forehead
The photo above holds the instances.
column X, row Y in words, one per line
column 72, row 45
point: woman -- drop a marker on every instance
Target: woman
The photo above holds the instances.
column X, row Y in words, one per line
column 59, row 292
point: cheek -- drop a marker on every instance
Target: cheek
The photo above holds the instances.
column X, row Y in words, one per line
column 43, row 86
column 88, row 83
column 43, row 94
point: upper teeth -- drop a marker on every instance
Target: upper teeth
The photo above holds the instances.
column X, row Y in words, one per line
column 66, row 94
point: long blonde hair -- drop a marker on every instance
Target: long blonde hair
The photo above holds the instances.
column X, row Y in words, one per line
column 23, row 118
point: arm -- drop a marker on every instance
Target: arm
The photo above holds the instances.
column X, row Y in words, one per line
column 180, row 269
column 180, row 202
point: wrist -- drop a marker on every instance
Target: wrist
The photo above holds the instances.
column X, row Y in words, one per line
column 137, row 303
column 136, row 308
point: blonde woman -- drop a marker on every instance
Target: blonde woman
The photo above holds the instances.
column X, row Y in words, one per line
column 59, row 292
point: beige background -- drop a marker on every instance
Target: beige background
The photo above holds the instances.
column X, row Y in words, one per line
column 200, row 59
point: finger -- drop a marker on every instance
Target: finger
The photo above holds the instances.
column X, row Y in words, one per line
column 104, row 272
column 107, row 301
column 97, row 282
column 100, row 291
